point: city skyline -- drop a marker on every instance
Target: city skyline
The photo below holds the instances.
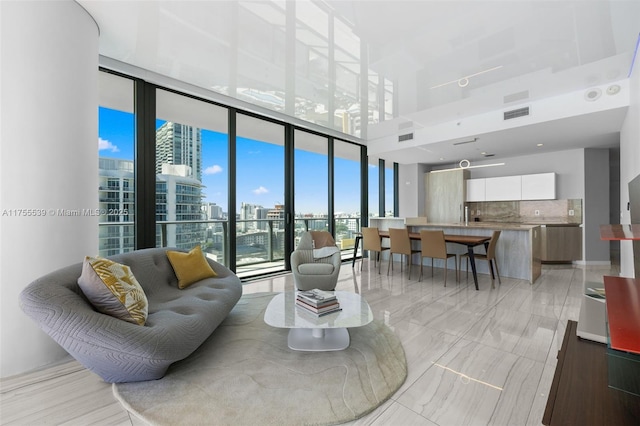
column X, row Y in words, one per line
column 260, row 169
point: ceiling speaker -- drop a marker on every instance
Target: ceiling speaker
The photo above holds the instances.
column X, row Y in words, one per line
column 613, row 89
column 592, row 94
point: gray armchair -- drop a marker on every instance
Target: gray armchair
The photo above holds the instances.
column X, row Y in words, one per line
column 319, row 271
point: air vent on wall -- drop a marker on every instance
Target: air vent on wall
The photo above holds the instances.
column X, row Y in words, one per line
column 406, row 137
column 515, row 113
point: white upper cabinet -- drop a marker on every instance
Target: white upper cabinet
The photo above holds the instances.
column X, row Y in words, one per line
column 504, row 188
column 541, row 186
column 476, row 190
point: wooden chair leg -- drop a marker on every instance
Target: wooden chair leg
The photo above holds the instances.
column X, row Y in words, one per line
column 421, row 260
column 497, row 272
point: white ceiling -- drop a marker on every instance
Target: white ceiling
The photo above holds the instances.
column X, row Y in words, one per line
column 533, row 50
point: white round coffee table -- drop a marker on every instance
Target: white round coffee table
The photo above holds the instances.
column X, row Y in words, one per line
column 308, row 332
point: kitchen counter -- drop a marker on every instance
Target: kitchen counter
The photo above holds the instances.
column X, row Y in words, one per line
column 517, row 252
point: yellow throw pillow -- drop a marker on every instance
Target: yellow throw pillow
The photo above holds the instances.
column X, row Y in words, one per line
column 190, row 267
column 113, row 290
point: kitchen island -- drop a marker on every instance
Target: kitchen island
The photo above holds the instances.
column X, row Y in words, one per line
column 517, row 252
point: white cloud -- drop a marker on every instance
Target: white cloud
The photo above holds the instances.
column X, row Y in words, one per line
column 212, row 170
column 105, row 144
column 260, row 190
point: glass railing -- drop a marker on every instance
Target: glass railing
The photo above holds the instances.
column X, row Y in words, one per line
column 259, row 243
column 211, row 235
column 259, row 246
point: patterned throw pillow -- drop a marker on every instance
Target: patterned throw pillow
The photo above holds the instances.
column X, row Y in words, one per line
column 113, row 290
column 190, row 267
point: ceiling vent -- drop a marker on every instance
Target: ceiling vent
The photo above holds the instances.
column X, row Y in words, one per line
column 515, row 113
column 406, row 137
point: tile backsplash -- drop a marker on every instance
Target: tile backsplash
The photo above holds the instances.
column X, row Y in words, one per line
column 541, row 211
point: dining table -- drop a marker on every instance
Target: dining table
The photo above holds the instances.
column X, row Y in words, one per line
column 470, row 241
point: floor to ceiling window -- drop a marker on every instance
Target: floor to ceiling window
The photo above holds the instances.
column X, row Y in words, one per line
column 191, row 174
column 347, row 193
column 389, row 192
column 186, row 147
column 311, row 166
column 115, row 165
column 260, row 229
column 374, row 187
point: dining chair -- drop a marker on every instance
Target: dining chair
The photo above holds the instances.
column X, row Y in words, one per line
column 371, row 241
column 489, row 256
column 434, row 246
column 400, row 244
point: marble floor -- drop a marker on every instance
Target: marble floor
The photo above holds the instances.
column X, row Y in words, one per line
column 474, row 357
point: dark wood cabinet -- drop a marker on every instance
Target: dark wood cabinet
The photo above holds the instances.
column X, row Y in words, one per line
column 580, row 392
column 561, row 243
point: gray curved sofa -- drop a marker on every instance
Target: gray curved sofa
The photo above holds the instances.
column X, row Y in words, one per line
column 179, row 320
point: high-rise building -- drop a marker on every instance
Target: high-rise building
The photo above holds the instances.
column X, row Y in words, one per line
column 212, row 211
column 262, row 213
column 248, row 214
column 179, row 177
column 277, row 215
column 179, row 199
column 116, row 204
column 179, row 144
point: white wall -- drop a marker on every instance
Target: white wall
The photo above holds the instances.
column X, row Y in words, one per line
column 48, row 159
column 629, row 164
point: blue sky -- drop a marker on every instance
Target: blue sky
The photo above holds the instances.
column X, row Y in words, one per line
column 260, row 170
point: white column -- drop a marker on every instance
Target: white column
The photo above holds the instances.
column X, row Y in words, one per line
column 48, row 160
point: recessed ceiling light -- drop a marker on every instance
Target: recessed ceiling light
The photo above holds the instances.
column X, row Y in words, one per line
column 592, row 94
column 540, row 144
column 441, row 158
column 483, row 153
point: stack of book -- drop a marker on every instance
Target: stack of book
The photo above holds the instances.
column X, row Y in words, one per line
column 318, row 302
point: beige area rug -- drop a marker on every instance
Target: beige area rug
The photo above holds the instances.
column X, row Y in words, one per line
column 245, row 374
